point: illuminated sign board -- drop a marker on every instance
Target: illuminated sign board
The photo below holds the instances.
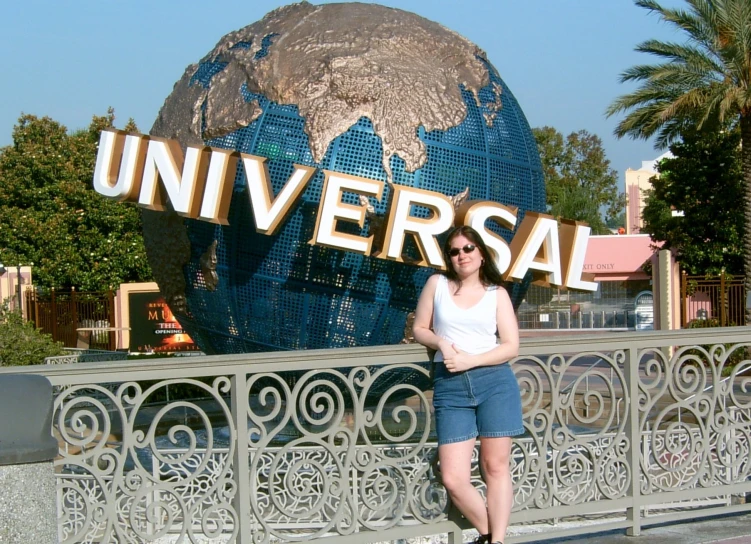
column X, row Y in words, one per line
column 148, row 170
column 153, row 327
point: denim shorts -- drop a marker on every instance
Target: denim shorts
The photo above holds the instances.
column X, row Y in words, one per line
column 483, row 401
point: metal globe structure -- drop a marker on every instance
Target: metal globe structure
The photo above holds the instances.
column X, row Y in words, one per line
column 279, row 292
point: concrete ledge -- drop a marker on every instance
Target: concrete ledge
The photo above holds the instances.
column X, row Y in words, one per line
column 28, row 512
column 26, row 420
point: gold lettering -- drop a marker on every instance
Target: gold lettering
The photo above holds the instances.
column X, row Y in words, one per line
column 475, row 213
column 199, row 185
column 119, row 164
column 332, row 209
column 535, row 248
column 401, row 222
column 574, row 236
column 182, row 178
column 268, row 215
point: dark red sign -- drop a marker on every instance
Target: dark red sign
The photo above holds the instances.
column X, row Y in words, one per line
column 153, row 328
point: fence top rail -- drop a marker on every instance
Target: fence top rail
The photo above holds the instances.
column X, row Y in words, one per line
column 47, row 296
column 213, row 365
column 715, row 280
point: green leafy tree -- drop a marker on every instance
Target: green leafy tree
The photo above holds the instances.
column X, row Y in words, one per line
column 704, row 182
column 705, row 81
column 21, row 343
column 51, row 216
column 579, row 181
column 617, row 221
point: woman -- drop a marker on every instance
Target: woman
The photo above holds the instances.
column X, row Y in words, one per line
column 475, row 392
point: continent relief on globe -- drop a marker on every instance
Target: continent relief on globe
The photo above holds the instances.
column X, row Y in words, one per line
column 336, row 63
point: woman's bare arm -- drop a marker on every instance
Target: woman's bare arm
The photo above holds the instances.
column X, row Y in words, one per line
column 422, row 328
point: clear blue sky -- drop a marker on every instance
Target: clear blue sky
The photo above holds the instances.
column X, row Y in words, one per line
column 71, row 60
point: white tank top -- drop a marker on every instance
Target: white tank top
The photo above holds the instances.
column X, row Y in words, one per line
column 473, row 330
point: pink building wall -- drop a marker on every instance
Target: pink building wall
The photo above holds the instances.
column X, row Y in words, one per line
column 618, row 257
column 634, row 210
column 622, row 257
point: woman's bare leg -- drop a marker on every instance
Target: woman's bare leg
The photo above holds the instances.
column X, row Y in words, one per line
column 495, row 457
column 456, row 461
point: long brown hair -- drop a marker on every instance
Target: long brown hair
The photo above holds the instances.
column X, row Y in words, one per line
column 489, row 273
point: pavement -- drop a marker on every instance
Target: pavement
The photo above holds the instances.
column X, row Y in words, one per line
column 730, row 529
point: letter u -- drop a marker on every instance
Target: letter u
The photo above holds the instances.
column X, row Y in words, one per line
column 119, row 165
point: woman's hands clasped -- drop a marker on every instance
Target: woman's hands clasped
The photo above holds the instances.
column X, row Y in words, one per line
column 455, row 359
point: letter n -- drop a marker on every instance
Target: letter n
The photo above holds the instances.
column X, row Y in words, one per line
column 182, row 180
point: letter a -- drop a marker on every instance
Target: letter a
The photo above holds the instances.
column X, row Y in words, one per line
column 535, row 248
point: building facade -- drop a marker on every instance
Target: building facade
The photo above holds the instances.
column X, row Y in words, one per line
column 629, row 281
column 637, row 183
column 13, row 279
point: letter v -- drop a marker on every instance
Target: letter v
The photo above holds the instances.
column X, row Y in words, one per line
column 267, row 214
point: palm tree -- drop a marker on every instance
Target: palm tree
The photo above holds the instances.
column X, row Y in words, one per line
column 704, row 82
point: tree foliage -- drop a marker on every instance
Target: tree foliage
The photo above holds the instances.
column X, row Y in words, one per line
column 703, row 81
column 21, row 343
column 705, row 183
column 578, row 178
column 618, row 221
column 51, row 216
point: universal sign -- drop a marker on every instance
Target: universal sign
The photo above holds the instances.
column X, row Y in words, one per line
column 147, row 170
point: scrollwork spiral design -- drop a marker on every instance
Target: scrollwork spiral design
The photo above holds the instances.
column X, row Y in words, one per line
column 130, row 452
column 698, row 436
column 574, row 404
column 336, row 437
column 323, row 455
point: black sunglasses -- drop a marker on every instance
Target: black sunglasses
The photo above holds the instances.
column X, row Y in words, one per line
column 454, row 251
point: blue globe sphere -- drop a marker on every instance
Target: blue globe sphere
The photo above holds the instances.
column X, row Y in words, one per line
column 279, row 292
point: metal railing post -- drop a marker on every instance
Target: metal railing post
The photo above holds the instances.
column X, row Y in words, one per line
column 74, row 313
column 241, row 460
column 37, row 316
column 53, row 313
column 723, row 301
column 684, row 299
column 19, row 289
column 633, row 513
column 455, row 535
column 112, row 318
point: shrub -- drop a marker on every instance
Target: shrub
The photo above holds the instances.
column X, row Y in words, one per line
column 735, row 357
column 21, row 343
